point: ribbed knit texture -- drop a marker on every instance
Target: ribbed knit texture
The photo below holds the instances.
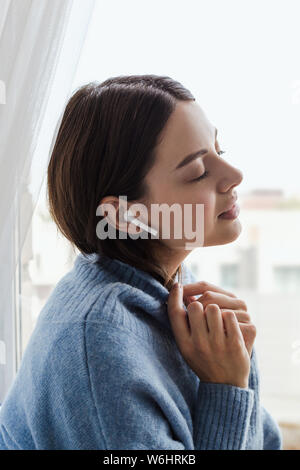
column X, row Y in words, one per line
column 102, row 370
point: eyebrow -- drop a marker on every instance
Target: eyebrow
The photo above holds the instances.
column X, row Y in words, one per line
column 194, row 155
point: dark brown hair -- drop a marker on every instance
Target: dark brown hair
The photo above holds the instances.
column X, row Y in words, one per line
column 105, row 146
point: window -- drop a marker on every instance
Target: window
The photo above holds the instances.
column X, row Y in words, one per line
column 46, row 257
column 287, row 278
column 230, row 275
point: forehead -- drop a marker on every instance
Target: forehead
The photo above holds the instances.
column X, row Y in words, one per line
column 186, row 131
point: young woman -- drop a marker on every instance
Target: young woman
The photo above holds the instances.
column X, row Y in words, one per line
column 120, row 359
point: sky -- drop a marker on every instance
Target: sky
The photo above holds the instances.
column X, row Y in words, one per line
column 240, row 59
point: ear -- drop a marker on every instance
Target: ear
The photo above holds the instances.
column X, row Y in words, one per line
column 114, row 209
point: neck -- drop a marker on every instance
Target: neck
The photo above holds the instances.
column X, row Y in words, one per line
column 171, row 259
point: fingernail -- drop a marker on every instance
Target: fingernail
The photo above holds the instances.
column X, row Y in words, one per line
column 177, row 285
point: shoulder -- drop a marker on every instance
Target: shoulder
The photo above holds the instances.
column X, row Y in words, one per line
column 77, row 297
column 114, row 351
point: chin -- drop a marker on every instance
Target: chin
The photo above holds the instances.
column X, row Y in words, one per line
column 226, row 235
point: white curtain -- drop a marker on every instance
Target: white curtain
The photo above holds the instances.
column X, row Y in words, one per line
column 40, row 45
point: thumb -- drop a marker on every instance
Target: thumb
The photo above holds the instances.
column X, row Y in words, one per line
column 177, row 314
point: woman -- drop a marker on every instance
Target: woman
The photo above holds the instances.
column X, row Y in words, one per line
column 119, row 359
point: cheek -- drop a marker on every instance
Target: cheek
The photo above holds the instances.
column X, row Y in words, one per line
column 208, row 200
column 162, row 192
column 181, row 194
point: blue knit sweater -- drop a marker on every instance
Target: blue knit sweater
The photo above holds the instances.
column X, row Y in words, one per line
column 102, row 371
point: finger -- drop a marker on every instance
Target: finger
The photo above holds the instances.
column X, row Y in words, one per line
column 191, row 298
column 214, row 321
column 200, row 287
column 177, row 315
column 222, row 300
column 197, row 319
column 241, row 316
column 232, row 326
column 248, row 331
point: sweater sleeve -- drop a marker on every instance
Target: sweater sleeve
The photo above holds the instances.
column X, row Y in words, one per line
column 272, row 436
column 222, row 420
column 139, row 406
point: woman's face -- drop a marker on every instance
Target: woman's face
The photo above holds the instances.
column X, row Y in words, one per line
column 170, row 181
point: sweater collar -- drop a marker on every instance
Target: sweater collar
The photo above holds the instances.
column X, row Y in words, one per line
column 147, row 292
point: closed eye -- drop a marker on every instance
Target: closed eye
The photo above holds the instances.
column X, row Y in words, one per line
column 206, row 173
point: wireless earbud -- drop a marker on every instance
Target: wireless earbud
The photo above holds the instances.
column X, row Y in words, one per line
column 129, row 217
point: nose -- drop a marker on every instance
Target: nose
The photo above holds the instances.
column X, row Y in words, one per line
column 231, row 177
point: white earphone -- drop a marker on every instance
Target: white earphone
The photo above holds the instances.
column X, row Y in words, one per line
column 129, row 217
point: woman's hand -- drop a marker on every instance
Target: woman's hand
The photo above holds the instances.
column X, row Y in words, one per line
column 226, row 300
column 215, row 354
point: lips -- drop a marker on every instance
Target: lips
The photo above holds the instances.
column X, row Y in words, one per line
column 229, row 207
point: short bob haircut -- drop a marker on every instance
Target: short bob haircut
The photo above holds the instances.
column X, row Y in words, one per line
column 105, row 145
